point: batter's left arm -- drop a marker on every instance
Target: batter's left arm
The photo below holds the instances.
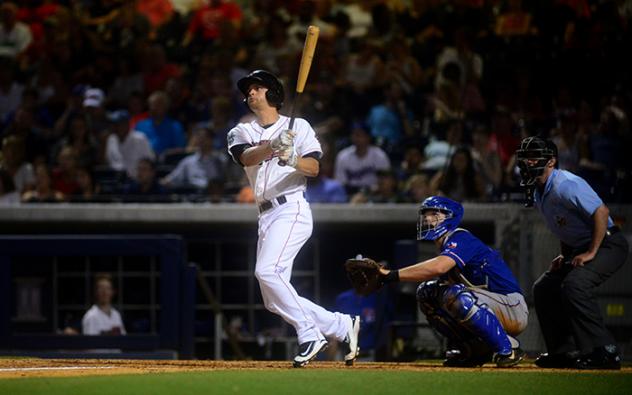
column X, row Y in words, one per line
column 308, row 165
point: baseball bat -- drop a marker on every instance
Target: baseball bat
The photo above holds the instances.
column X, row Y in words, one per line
column 303, row 71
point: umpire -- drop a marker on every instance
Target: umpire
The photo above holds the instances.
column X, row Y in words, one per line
column 592, row 250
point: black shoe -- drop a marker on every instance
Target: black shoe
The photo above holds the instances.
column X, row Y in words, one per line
column 456, row 359
column 308, row 351
column 509, row 360
column 555, row 361
column 605, row 357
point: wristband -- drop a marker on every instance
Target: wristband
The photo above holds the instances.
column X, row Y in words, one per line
column 391, row 277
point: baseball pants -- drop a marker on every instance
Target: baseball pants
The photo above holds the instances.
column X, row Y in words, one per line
column 567, row 309
column 283, row 230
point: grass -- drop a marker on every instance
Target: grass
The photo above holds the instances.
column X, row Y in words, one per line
column 322, row 381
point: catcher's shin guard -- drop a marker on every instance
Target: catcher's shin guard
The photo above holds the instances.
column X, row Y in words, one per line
column 428, row 298
column 461, row 304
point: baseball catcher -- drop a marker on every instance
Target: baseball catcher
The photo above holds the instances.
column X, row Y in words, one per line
column 467, row 291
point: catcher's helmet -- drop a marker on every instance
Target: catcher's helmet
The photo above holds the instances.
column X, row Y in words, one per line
column 453, row 214
column 275, row 94
column 532, row 156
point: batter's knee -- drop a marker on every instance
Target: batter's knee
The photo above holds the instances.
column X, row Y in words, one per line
column 266, row 275
column 459, row 302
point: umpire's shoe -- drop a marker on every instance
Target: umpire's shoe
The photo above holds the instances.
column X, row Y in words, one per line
column 351, row 342
column 556, row 361
column 509, row 360
column 605, row 357
column 308, row 351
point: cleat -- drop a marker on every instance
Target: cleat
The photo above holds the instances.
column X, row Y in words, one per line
column 507, row 361
column 351, row 342
column 308, row 351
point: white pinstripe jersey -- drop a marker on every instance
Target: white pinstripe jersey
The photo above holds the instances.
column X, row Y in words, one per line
column 267, row 179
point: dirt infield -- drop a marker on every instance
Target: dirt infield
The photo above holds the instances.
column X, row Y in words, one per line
column 16, row 368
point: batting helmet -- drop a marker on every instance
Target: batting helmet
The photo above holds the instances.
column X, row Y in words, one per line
column 275, row 94
column 453, row 215
column 532, row 156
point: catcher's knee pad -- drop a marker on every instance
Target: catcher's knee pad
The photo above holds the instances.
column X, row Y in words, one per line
column 459, row 302
column 427, row 296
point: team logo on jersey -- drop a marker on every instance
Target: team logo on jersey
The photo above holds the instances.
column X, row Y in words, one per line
column 231, row 137
column 452, row 244
column 560, row 221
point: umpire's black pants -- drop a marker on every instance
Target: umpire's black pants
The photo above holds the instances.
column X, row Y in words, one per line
column 569, row 316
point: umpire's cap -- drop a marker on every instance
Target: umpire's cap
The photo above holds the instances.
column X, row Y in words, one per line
column 275, row 94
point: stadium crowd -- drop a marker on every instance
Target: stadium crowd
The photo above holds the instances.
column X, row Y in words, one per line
column 111, row 100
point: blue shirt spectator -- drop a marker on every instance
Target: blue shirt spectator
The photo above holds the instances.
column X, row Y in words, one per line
column 325, row 190
column 164, row 133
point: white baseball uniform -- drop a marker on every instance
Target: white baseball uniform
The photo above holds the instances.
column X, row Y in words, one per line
column 285, row 224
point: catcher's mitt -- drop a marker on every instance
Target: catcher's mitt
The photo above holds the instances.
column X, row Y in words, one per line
column 364, row 274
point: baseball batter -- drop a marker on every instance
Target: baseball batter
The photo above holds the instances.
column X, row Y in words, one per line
column 285, row 218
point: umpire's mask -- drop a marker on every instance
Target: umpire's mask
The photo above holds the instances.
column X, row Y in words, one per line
column 532, row 157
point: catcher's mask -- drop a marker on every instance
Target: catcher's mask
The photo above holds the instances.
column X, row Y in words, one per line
column 275, row 94
column 453, row 214
column 532, row 157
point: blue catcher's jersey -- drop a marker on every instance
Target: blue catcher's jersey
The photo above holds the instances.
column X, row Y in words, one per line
column 478, row 263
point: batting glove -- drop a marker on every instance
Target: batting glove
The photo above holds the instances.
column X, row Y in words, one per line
column 289, row 156
column 282, row 141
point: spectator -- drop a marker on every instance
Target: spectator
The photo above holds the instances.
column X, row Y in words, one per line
column 278, row 47
column 156, row 11
column 102, row 318
column 163, row 132
column 460, row 181
column 437, row 152
column 390, row 120
column 64, row 176
column 126, row 147
column 15, row 36
column 514, row 21
column 94, row 107
column 10, row 89
column 245, row 195
column 386, row 190
column 37, row 141
column 8, row 194
column 12, row 162
column 417, row 188
column 127, row 82
column 356, row 166
column 486, row 160
column 322, row 189
column 87, row 190
column 207, row 21
column 402, row 68
column 411, row 165
column 78, row 136
column 157, row 70
column 221, row 120
column 565, row 138
column 200, row 169
column 43, row 192
column 145, row 186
